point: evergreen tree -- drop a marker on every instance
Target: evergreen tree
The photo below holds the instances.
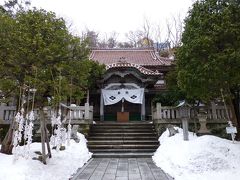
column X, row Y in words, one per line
column 209, row 58
column 38, row 51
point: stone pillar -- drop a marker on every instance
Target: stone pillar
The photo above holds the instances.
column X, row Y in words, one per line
column 143, row 110
column 159, row 111
column 2, row 106
column 86, row 111
column 214, row 112
column 185, row 129
column 101, row 107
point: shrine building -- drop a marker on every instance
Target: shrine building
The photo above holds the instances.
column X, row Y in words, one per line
column 132, row 79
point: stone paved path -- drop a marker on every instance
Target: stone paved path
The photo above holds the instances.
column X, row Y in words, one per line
column 121, row 169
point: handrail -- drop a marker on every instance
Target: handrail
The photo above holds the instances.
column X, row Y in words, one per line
column 169, row 112
column 7, row 113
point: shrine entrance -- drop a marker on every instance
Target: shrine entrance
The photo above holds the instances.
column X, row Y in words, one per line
column 132, row 111
column 122, row 102
column 125, row 93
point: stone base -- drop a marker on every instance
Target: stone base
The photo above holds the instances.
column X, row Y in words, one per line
column 203, row 133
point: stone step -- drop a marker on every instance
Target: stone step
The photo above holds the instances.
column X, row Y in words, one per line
column 121, row 130
column 122, row 127
column 122, row 155
column 122, row 150
column 118, row 142
column 123, row 146
column 114, row 123
column 91, row 134
column 122, row 138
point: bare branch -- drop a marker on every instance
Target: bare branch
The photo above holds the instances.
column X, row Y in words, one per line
column 174, row 30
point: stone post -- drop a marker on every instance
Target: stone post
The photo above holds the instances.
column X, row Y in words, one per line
column 143, row 111
column 214, row 112
column 159, row 111
column 101, row 107
column 185, row 129
column 86, row 111
column 184, row 112
column 2, row 111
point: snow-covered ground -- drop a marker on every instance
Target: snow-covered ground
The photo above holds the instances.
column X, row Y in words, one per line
column 61, row 166
column 200, row 158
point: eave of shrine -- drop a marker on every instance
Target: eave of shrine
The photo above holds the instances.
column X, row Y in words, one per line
column 141, row 69
column 122, row 64
column 124, row 74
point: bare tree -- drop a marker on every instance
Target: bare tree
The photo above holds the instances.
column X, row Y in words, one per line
column 91, row 36
column 175, row 30
column 133, row 37
column 125, row 45
column 157, row 33
column 112, row 40
column 161, row 42
column 102, row 42
column 142, row 37
column 108, row 40
column 147, row 35
column 12, row 6
column 147, row 30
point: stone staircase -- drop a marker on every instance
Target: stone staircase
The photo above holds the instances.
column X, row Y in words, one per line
column 122, row 140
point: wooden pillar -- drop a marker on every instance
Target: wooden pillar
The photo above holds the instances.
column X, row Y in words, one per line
column 101, row 107
column 143, row 109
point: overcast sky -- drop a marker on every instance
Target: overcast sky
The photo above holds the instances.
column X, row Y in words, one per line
column 114, row 15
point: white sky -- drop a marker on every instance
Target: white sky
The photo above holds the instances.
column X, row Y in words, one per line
column 105, row 16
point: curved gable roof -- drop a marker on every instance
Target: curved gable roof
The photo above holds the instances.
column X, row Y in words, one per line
column 139, row 56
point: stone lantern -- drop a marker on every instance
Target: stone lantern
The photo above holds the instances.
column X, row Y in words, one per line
column 202, row 117
column 184, row 112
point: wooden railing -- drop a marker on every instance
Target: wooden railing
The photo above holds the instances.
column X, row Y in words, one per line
column 7, row 113
column 172, row 113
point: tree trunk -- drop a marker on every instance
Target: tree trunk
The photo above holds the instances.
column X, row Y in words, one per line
column 234, row 119
column 43, row 135
column 7, row 144
column 236, row 105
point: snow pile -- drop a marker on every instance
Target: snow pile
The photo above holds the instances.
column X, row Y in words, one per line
column 200, row 158
column 61, row 166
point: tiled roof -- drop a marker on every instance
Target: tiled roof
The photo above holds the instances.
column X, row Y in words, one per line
column 122, row 64
column 140, row 56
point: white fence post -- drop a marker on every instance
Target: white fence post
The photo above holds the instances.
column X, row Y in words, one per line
column 159, row 111
column 214, row 112
column 2, row 111
column 86, row 109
